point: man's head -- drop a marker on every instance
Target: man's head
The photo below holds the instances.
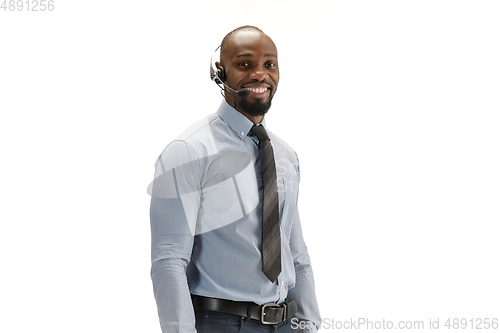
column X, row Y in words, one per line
column 250, row 60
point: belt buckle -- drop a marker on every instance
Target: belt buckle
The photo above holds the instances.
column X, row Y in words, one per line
column 271, row 305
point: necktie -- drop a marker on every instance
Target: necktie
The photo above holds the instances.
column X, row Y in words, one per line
column 271, row 239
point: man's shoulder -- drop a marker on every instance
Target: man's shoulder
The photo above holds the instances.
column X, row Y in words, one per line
column 198, row 130
column 282, row 143
column 196, row 138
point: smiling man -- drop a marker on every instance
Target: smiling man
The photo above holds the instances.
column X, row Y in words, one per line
column 251, row 59
column 228, row 253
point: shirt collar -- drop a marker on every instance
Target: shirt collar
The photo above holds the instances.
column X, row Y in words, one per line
column 236, row 120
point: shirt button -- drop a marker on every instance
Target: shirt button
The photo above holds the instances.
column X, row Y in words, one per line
column 282, row 283
column 242, row 133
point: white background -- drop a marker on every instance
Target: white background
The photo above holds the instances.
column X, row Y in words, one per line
column 392, row 106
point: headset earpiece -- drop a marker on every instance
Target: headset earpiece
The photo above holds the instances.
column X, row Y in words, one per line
column 218, row 75
column 221, row 73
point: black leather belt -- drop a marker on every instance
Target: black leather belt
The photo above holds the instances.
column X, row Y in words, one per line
column 267, row 313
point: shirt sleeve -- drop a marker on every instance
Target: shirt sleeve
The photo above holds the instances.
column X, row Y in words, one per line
column 175, row 200
column 304, row 290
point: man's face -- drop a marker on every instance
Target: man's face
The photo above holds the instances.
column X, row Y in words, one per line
column 251, row 61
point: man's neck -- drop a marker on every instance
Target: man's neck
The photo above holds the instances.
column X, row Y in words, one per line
column 254, row 119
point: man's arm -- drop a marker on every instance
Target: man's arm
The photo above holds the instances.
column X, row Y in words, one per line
column 174, row 207
column 304, row 290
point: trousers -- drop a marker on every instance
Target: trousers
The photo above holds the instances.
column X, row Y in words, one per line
column 217, row 322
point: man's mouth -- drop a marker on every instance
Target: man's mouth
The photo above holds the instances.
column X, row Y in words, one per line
column 258, row 91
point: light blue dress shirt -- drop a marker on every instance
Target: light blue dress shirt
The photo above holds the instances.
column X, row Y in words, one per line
column 206, row 216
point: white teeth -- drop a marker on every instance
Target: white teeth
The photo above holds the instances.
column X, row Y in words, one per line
column 257, row 90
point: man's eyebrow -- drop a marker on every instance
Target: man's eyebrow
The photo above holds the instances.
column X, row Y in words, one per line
column 241, row 55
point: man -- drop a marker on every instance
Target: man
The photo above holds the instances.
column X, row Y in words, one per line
column 227, row 248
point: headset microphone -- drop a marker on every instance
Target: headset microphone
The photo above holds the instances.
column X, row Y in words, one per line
column 218, row 75
column 242, row 92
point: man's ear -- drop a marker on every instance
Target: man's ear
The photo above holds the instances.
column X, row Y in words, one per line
column 217, row 64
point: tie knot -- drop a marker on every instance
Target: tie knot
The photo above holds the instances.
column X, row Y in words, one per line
column 260, row 132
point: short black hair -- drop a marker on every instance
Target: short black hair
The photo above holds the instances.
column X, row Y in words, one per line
column 245, row 27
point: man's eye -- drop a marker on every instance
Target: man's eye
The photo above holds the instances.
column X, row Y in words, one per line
column 270, row 64
column 244, row 64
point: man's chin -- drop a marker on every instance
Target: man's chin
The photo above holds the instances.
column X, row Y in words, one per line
column 259, row 108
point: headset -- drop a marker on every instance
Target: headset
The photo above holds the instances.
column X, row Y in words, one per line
column 218, row 75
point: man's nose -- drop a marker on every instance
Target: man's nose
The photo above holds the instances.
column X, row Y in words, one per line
column 259, row 73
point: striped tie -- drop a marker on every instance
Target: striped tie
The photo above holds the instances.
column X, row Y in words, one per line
column 271, row 239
